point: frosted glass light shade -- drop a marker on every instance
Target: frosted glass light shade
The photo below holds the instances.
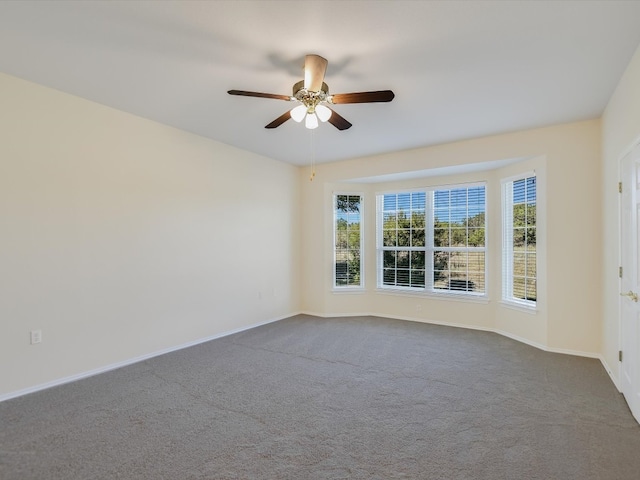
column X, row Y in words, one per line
column 324, row 113
column 298, row 113
column 311, row 121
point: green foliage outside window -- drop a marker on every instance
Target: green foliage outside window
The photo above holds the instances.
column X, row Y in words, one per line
column 456, row 258
column 403, row 236
column 459, row 270
column 524, row 252
column 520, row 240
column 347, row 240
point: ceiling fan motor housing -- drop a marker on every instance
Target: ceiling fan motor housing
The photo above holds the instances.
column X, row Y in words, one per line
column 308, row 98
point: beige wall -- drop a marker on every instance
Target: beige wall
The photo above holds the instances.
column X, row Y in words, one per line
column 121, row 237
column 620, row 130
column 567, row 161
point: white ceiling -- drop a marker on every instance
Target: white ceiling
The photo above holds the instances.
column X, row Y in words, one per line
column 458, row 69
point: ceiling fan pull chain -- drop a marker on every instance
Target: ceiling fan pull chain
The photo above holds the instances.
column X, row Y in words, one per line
column 313, row 160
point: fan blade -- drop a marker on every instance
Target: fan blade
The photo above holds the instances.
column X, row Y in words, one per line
column 338, row 121
column 314, row 68
column 280, row 120
column 258, row 94
column 363, row 97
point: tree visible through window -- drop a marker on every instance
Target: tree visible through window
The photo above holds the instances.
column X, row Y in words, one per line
column 459, row 239
column 433, row 240
column 520, row 240
column 347, row 240
column 403, row 240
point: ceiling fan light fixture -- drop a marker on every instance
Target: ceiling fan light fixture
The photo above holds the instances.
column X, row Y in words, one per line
column 323, row 113
column 298, row 113
column 311, row 121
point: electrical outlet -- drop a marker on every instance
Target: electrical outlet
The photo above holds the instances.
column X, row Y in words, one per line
column 36, row 336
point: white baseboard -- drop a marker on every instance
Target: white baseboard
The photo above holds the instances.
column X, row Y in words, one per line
column 130, row 361
column 609, row 370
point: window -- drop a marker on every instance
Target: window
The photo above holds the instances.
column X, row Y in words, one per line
column 519, row 267
column 347, row 243
column 459, row 239
column 403, row 240
column 433, row 240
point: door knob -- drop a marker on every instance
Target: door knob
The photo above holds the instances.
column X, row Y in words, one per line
column 633, row 296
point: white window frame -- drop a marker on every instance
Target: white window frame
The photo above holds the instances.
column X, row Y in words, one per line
column 360, row 286
column 507, row 243
column 429, row 247
column 380, row 244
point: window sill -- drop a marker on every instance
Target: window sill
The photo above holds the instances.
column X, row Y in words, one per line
column 348, row 290
column 520, row 307
column 456, row 297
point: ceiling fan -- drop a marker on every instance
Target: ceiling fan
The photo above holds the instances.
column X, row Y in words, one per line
column 312, row 96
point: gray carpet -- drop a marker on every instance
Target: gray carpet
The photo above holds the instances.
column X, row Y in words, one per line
column 308, row 398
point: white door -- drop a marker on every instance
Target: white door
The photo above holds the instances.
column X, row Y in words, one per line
column 630, row 283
